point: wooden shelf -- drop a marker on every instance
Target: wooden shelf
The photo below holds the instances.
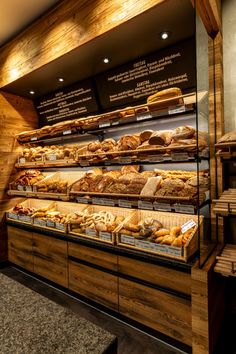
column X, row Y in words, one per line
column 226, row 150
column 226, row 262
column 226, row 204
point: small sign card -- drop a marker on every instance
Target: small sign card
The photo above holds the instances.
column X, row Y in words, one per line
column 129, row 240
column 177, row 109
column 82, row 200
column 67, row 132
column 91, row 232
column 22, row 160
column 39, row 222
column 25, row 218
column 60, row 226
column 188, row 225
column 145, row 205
column 124, row 203
column 182, row 208
column 13, row 216
column 143, row 116
column 106, row 236
column 50, row 223
column 162, row 206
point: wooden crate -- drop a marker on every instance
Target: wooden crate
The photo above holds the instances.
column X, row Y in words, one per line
column 71, row 177
column 62, row 207
column 168, row 220
column 30, row 203
column 107, row 237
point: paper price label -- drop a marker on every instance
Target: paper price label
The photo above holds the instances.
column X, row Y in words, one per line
column 124, row 160
column 52, row 157
column 82, row 200
column 145, row 205
column 143, row 244
column 174, row 251
column 180, row 156
column 160, row 248
column 143, row 116
column 176, row 109
column 84, row 163
column 129, row 240
column 39, row 222
column 60, row 226
column 25, row 218
column 67, row 132
column 187, row 209
column 108, row 202
column 188, row 225
column 162, row 206
column 156, row 158
column 28, row 188
column 98, row 201
column 20, row 187
column 124, row 203
column 22, row 160
column 115, row 122
column 50, row 223
column 13, row 216
column 34, row 138
column 104, row 124
column 91, row 232
column 106, row 236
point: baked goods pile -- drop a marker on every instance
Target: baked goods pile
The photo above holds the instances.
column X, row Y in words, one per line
column 228, row 137
column 102, row 221
column 52, row 185
column 153, row 230
column 20, row 209
column 54, row 152
column 27, row 178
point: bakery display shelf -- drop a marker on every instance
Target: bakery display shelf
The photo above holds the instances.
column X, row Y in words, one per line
column 226, row 204
column 95, row 125
column 226, row 150
column 39, row 195
column 46, row 164
column 226, row 262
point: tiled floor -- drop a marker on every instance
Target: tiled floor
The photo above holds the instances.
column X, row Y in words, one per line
column 130, row 340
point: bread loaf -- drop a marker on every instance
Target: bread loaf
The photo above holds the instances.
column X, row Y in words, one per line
column 145, row 135
column 165, row 94
column 160, row 138
column 151, row 186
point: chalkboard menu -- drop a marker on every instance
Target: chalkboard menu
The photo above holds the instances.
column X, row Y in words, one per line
column 68, row 103
column 135, row 81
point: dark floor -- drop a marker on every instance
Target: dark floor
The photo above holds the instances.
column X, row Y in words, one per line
column 130, row 340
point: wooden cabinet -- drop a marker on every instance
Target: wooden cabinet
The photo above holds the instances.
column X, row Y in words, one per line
column 20, row 247
column 50, row 258
column 163, row 312
column 95, row 284
column 156, row 274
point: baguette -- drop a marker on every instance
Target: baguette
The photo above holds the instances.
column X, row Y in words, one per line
column 165, row 94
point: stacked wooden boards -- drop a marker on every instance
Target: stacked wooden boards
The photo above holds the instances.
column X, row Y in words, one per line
column 226, row 262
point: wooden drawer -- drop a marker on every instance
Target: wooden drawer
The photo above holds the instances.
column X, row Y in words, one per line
column 50, row 258
column 163, row 312
column 93, row 255
column 155, row 274
column 94, row 284
column 20, row 247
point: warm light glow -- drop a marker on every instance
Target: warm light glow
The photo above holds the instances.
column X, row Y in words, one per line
column 164, row 35
column 106, row 60
column 60, row 79
column 31, row 92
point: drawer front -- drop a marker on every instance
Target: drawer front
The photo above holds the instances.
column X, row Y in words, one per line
column 92, row 255
column 94, row 284
column 20, row 247
column 155, row 274
column 163, row 312
column 50, row 258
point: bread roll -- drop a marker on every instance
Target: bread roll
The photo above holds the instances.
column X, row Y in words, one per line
column 183, row 132
column 175, row 231
column 145, row 135
column 162, row 232
column 165, row 94
column 151, row 186
column 162, row 137
column 132, row 227
column 128, row 142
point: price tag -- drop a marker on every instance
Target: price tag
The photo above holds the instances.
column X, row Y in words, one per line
column 82, row 200
column 60, row 226
column 106, row 236
column 20, row 187
column 84, row 163
column 52, row 157
column 25, row 218
column 13, row 216
column 124, row 160
column 188, row 209
column 66, row 132
column 115, row 122
column 143, row 116
column 104, row 124
column 188, row 225
column 34, row 138
column 50, row 223
column 129, row 240
column 160, row 248
column 175, row 251
column 162, row 206
column 143, row 244
column 124, row 203
column 22, row 160
column 177, row 109
column 39, row 222
column 98, row 201
column 28, row 188
column 91, row 232
column 107, row 163
column 109, row 202
column 156, row 158
column 179, row 156
column 145, row 205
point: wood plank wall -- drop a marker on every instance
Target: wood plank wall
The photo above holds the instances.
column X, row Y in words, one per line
column 16, row 115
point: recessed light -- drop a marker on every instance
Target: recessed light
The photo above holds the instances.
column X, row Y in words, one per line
column 106, row 60
column 164, row 35
column 60, row 79
column 31, row 92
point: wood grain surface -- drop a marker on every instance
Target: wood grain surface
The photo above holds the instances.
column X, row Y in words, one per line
column 50, row 258
column 165, row 313
column 94, row 284
column 20, row 247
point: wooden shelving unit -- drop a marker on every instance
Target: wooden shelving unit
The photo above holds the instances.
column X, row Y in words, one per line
column 226, row 262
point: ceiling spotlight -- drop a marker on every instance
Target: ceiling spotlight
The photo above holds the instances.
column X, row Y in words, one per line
column 164, row 35
column 31, row 92
column 60, row 79
column 106, row 60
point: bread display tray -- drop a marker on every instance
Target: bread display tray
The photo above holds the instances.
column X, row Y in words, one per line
column 226, row 204
column 105, row 237
column 169, row 220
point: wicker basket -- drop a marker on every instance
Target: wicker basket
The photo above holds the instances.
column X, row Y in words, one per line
column 70, row 177
column 21, row 189
column 168, row 220
column 30, row 203
column 107, row 237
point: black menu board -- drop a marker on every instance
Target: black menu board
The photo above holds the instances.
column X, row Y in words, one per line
column 133, row 82
column 68, row 103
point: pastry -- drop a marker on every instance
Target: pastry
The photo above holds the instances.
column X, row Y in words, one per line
column 162, row 232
